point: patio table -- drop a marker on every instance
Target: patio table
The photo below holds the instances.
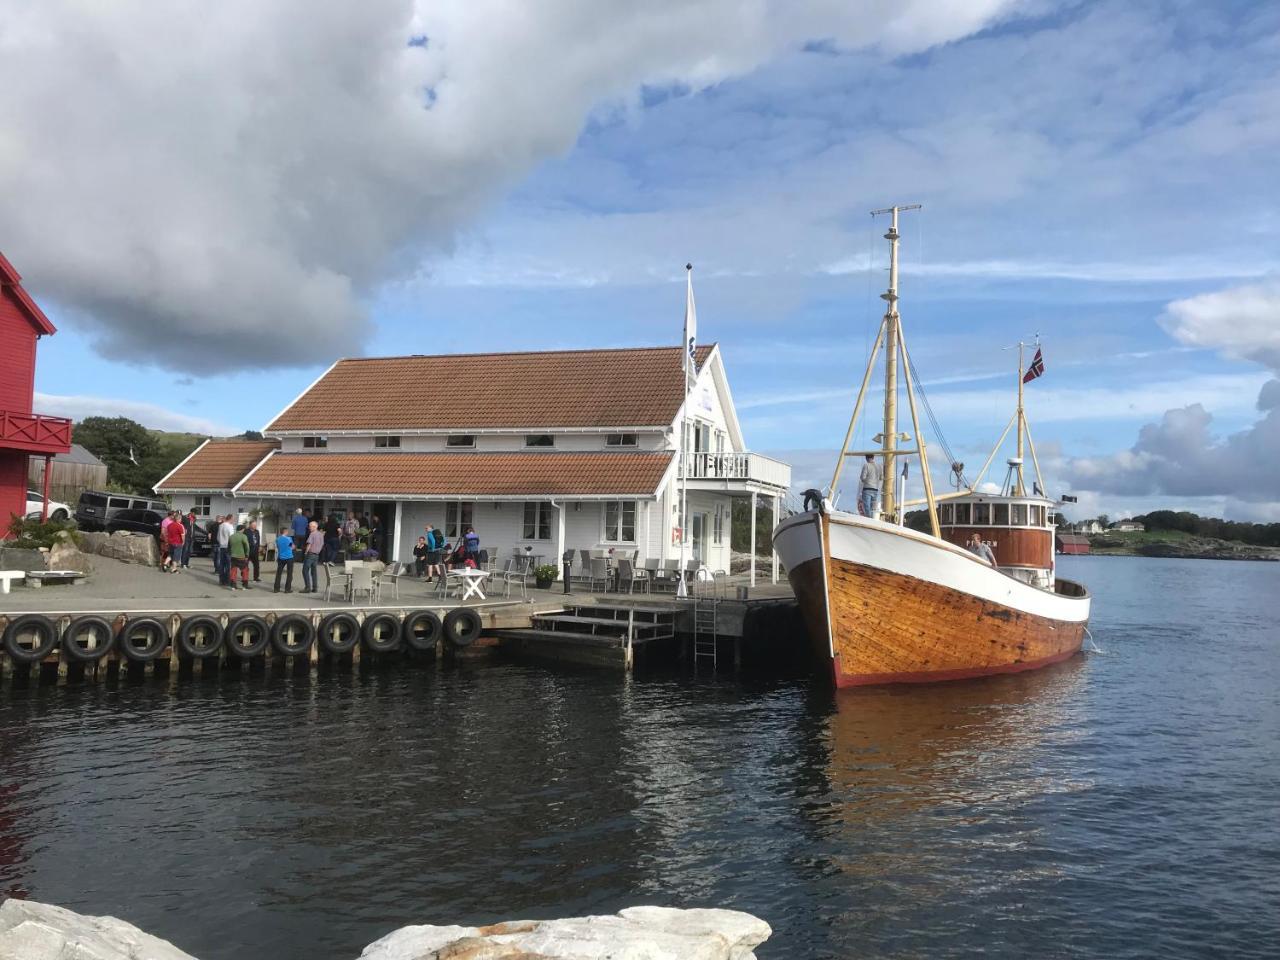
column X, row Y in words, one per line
column 471, row 580
column 8, row 576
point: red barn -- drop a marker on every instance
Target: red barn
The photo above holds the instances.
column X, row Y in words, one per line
column 22, row 432
column 1072, row 543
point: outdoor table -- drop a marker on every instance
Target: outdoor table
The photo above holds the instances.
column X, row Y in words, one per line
column 471, row 580
column 8, row 576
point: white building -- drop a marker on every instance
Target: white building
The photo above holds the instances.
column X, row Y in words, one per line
column 549, row 451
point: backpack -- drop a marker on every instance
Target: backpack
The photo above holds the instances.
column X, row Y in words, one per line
column 435, row 540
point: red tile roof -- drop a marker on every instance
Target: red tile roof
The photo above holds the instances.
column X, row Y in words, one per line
column 459, row 474
column 636, row 387
column 218, row 465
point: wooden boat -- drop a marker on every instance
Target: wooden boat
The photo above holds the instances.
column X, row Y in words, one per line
column 885, row 603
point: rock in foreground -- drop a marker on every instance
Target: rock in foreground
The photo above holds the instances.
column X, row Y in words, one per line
column 637, row 933
column 38, row 931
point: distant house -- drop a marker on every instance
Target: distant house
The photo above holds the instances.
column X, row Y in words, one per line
column 1089, row 527
column 1071, row 543
column 70, row 474
column 1128, row 526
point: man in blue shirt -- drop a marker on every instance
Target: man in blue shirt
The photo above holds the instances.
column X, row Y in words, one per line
column 284, row 559
column 300, row 521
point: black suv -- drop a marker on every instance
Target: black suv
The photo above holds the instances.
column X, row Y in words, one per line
column 136, row 521
column 95, row 508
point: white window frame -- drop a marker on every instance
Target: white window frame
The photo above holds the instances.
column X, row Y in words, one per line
column 315, row 443
column 539, row 436
column 458, row 515
column 536, row 524
column 621, row 440
column 202, row 504
column 717, row 525
column 619, row 523
column 469, row 444
column 386, row 441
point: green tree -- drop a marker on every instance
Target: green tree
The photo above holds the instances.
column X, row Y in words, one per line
column 122, row 444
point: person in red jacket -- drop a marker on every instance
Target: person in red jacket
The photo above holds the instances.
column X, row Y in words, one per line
column 174, row 534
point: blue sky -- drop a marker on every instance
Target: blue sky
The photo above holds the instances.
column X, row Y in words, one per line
column 1090, row 172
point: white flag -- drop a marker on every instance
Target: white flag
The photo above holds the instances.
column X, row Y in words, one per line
column 690, row 329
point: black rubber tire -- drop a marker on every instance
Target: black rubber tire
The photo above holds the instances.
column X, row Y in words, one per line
column 36, row 623
column 280, row 644
column 421, row 630
column 59, row 515
column 74, row 651
column 158, row 640
column 462, row 626
column 260, row 642
column 345, row 644
column 381, row 632
column 186, row 639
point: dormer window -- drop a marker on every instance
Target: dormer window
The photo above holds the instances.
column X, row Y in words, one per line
column 539, row 440
column 315, row 442
column 622, row 440
column 386, row 442
column 460, row 440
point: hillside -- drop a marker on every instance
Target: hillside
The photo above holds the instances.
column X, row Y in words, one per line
column 1179, row 544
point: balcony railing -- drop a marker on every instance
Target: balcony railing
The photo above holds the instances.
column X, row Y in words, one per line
column 738, row 466
column 34, row 433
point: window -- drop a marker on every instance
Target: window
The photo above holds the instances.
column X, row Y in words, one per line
column 1018, row 512
column 539, row 440
column 537, row 520
column 621, row 440
column 384, row 442
column 720, row 439
column 202, row 506
column 948, row 514
column 717, row 524
column 1002, row 514
column 457, row 517
column 620, row 521
column 1037, row 516
column 118, row 503
column 962, row 514
column 460, row 440
column 982, row 514
column 315, row 442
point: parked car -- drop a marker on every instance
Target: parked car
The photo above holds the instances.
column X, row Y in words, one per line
column 136, row 521
column 201, row 542
column 35, row 503
column 96, row 507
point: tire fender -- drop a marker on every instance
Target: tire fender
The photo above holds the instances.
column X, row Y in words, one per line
column 421, row 630
column 345, row 622
column 38, row 626
column 100, row 626
column 157, row 639
column 302, row 643
column 247, row 622
column 190, row 629
column 462, row 626
column 381, row 632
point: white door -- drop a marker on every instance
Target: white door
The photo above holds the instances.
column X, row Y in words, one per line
column 699, row 536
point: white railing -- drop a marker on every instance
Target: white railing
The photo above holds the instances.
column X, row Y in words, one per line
column 739, row 466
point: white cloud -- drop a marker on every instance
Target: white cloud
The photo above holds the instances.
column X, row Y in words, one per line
column 220, row 187
column 147, row 414
column 1242, row 322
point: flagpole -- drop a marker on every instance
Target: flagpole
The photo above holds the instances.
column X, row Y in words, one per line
column 686, row 362
column 1021, row 424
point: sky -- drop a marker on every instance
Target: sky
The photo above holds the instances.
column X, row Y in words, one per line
column 214, row 202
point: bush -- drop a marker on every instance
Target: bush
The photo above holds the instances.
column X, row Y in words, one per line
column 32, row 534
column 546, row 571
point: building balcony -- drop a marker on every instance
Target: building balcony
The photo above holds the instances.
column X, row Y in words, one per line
column 34, row 433
column 752, row 469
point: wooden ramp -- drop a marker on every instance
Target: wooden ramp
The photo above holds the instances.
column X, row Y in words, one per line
column 597, row 633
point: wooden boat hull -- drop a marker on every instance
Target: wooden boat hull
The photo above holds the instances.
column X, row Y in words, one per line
column 888, row 605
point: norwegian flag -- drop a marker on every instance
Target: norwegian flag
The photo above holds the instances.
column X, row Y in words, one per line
column 1036, row 369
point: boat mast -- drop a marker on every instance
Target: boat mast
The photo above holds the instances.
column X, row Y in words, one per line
column 889, row 435
column 1020, row 488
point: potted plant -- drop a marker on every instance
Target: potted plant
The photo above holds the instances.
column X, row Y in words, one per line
column 544, row 575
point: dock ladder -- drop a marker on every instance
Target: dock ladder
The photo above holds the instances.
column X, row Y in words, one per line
column 705, row 636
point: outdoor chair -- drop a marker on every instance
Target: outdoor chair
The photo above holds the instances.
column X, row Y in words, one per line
column 361, row 582
column 393, row 573
column 517, row 572
column 631, row 576
column 598, row 572
column 331, row 580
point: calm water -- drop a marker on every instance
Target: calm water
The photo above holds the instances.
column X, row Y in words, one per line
column 1118, row 805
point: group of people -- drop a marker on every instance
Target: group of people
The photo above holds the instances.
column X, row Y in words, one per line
column 175, row 540
column 432, row 555
column 237, row 547
column 338, row 535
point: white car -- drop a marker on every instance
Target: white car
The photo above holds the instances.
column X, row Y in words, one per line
column 35, row 503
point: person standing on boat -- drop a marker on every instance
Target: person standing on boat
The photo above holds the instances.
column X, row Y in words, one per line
column 869, row 481
column 980, row 549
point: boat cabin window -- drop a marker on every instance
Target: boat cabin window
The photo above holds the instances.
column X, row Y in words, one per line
column 948, row 514
column 1019, row 514
column 1002, row 514
column 982, row 514
column 1037, row 515
column 962, row 513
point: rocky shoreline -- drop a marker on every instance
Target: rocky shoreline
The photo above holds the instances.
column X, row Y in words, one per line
column 1196, row 548
column 40, row 931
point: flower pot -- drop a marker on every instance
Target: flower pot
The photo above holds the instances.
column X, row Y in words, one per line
column 543, row 583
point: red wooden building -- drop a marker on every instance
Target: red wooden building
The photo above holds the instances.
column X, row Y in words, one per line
column 23, row 433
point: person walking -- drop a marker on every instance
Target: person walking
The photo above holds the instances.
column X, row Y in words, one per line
column 284, row 560
column 174, row 534
column 255, row 549
column 332, row 539
column 238, row 549
column 435, row 544
column 165, row 523
column 300, row 521
column 312, row 547
column 225, row 531
column 869, row 482
column 188, row 537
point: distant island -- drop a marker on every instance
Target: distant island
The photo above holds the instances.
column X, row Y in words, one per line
column 1181, row 534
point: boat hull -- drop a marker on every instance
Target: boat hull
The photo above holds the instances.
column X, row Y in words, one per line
column 887, row 605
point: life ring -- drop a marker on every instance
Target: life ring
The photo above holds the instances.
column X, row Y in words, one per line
column 292, row 635
column 381, row 632
column 35, row 628
column 252, row 629
column 421, row 630
column 462, row 626
column 88, row 639
column 339, row 633
column 200, row 637
column 153, row 632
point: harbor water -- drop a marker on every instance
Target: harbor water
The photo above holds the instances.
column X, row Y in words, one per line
column 1122, row 804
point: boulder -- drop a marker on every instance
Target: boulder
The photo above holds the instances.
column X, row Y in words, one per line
column 129, row 547
column 38, row 931
column 14, row 558
column 637, row 933
column 65, row 555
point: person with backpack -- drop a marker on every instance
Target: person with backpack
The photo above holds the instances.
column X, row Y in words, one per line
column 435, row 544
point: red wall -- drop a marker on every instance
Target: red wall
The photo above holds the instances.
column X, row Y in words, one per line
column 17, row 362
column 13, row 487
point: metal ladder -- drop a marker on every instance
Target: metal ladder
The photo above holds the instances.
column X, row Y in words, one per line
column 705, row 610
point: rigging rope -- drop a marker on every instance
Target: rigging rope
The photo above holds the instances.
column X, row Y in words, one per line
column 933, row 420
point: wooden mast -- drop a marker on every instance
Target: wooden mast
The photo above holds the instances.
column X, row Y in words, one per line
column 889, row 435
column 1020, row 488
